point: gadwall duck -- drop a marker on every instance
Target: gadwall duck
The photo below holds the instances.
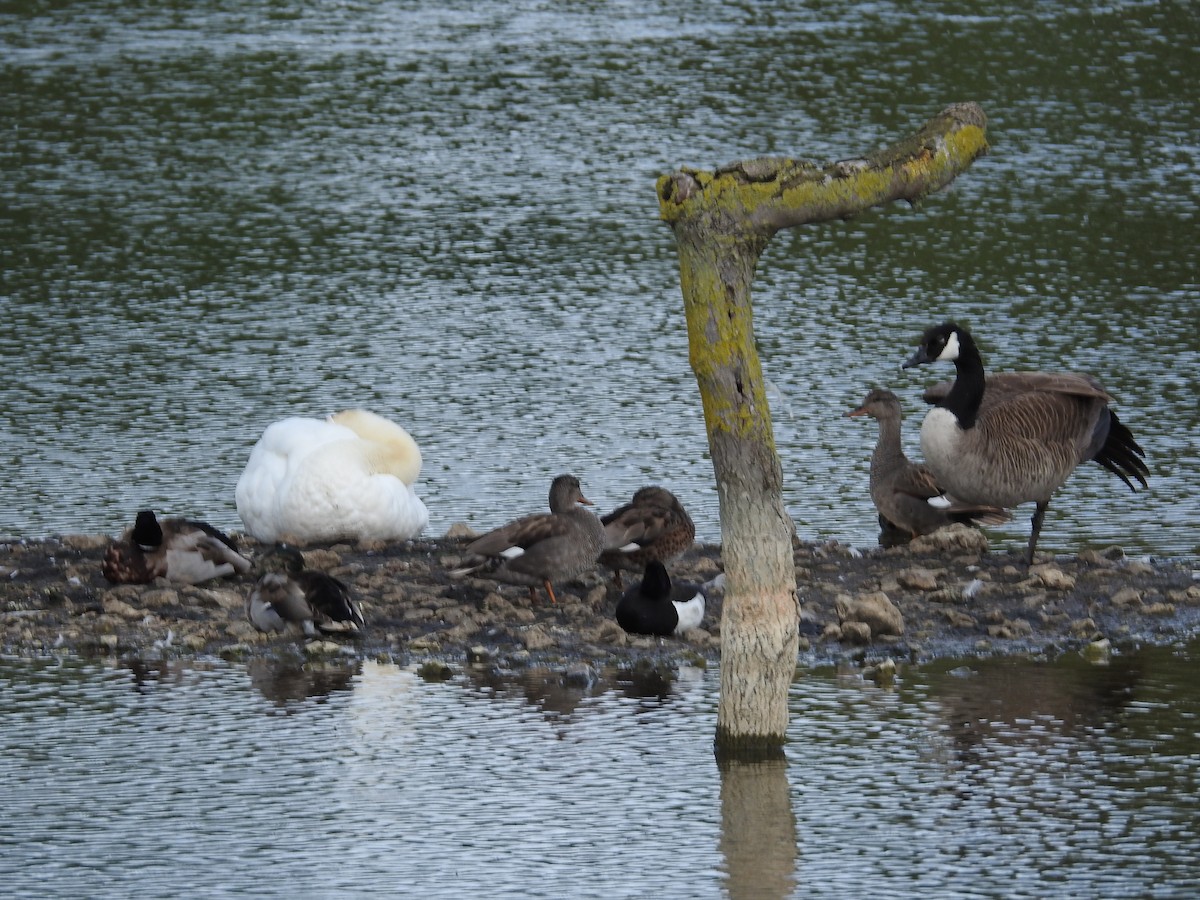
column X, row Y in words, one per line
column 291, row 594
column 907, row 496
column 653, row 525
column 179, row 550
column 348, row 477
column 656, row 606
column 538, row 549
column 1017, row 437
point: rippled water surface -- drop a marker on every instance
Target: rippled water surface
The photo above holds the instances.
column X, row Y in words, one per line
column 975, row 779
column 216, row 215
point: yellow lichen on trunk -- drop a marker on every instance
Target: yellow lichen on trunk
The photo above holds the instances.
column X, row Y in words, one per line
column 722, row 222
column 720, row 331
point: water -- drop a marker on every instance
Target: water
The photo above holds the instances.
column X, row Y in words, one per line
column 219, row 215
column 980, row 778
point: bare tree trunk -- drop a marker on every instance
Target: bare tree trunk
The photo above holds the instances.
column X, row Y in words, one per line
column 722, row 222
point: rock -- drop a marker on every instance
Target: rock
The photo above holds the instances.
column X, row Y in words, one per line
column 1099, row 651
column 220, row 598
column 86, row 541
column 959, row 619
column 917, row 579
column 116, row 607
column 322, row 648
column 1018, row 628
column 1127, row 597
column 952, row 539
column 535, row 638
column 855, row 632
column 874, row 610
column 1052, row 577
column 1188, row 597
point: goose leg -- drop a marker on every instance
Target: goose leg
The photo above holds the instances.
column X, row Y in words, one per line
column 1038, row 515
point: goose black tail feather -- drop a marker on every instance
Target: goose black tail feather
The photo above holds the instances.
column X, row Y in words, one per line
column 1122, row 455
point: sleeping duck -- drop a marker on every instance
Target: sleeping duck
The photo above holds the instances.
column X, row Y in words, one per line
column 653, row 525
column 538, row 549
column 655, row 606
column 176, row 549
column 348, row 477
column 290, row 594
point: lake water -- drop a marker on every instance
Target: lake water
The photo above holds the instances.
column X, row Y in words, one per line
column 964, row 779
column 216, row 215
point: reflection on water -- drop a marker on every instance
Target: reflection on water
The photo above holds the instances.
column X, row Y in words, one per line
column 286, row 683
column 986, row 778
column 216, row 216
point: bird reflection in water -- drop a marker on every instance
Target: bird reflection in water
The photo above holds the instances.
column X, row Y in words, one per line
column 286, row 682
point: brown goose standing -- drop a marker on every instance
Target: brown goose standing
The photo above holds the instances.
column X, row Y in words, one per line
column 536, row 550
column 179, row 550
column 1017, row 437
column 901, row 489
column 651, row 526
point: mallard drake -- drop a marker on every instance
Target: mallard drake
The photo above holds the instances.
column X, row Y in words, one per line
column 538, row 549
column 348, row 477
column 653, row 525
column 290, row 594
column 905, row 493
column 179, row 550
column 1016, row 437
column 655, row 606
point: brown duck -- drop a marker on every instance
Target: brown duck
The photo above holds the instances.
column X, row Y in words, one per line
column 179, row 550
column 542, row 548
column 651, row 526
column 901, row 489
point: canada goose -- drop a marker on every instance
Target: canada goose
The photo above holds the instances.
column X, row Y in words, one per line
column 288, row 593
column 179, row 550
column 655, row 606
column 347, row 477
column 1011, row 438
column 544, row 547
column 903, row 490
column 652, row 525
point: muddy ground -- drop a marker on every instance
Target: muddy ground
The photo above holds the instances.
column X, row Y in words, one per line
column 944, row 595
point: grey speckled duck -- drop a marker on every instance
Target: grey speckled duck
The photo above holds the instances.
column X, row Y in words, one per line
column 651, row 526
column 542, row 548
column 902, row 489
column 1013, row 438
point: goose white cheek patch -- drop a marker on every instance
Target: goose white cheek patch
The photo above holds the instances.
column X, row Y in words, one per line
column 950, row 351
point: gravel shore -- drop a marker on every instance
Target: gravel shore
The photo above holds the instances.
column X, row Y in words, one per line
column 943, row 595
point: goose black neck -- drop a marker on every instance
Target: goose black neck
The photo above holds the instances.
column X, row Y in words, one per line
column 967, row 393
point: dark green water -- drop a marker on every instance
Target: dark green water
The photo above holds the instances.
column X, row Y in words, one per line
column 975, row 779
column 216, row 215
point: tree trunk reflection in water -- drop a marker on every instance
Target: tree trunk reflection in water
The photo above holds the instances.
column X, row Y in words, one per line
column 758, row 827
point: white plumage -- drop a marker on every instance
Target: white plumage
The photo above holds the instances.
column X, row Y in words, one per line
column 348, row 477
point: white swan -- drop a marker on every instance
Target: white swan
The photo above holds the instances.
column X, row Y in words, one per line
column 347, row 477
